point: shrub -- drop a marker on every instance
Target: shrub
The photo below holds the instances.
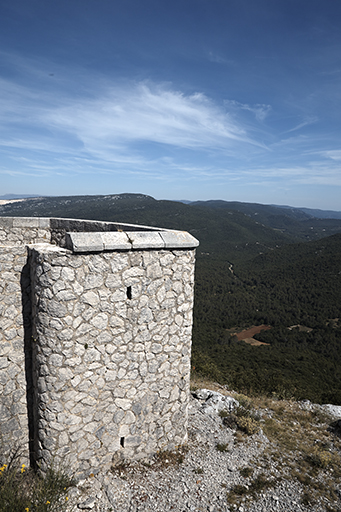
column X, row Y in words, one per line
column 230, row 421
column 248, row 425
column 224, row 413
column 246, row 472
column 222, row 447
column 239, row 490
column 244, row 401
column 166, row 457
column 320, row 458
column 22, row 490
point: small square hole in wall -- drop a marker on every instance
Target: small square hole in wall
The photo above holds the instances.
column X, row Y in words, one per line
column 122, row 442
column 129, row 295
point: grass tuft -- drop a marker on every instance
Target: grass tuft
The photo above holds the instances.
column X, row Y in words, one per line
column 320, row 458
column 166, row 458
column 222, row 447
column 257, row 485
column 248, row 425
column 22, row 490
column 246, row 472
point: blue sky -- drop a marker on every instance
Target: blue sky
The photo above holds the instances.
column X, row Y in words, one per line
column 183, row 99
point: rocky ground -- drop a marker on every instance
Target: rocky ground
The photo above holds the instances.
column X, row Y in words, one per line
column 218, row 471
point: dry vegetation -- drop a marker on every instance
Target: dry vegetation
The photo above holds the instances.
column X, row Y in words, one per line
column 305, row 446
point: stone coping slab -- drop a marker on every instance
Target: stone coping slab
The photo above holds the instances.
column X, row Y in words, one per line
column 77, row 225
column 130, row 240
column 96, row 236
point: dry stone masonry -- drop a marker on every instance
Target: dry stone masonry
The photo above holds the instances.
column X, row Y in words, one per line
column 95, row 338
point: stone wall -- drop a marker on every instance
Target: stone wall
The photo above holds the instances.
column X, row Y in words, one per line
column 15, row 326
column 95, row 340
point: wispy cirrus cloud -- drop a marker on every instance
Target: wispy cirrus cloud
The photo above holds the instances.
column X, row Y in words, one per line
column 306, row 122
column 260, row 110
column 113, row 122
column 334, row 154
column 148, row 131
column 144, row 112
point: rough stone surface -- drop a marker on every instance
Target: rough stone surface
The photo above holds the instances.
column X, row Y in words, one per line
column 214, row 402
column 95, row 344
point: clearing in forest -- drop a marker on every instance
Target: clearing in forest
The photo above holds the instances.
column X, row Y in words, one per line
column 247, row 334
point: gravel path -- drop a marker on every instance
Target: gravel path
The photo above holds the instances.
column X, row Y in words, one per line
column 198, row 480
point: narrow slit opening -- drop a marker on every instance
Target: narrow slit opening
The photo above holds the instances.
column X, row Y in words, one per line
column 129, row 292
column 122, row 442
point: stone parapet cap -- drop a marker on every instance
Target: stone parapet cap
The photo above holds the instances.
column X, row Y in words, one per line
column 96, row 236
column 25, row 222
column 129, row 240
column 78, row 225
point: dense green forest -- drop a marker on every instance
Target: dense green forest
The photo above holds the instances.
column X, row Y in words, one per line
column 256, row 264
column 291, row 285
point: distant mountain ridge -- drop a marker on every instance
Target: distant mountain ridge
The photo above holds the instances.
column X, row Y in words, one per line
column 299, row 213
column 322, row 214
column 231, row 230
column 234, row 205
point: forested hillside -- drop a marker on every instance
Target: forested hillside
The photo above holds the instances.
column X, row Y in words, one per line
column 297, row 284
column 252, row 268
column 303, row 223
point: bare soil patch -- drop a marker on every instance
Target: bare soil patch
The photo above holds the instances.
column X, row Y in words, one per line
column 254, row 343
column 249, row 333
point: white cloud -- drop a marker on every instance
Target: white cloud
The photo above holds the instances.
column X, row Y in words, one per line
column 334, row 154
column 148, row 130
column 260, row 110
column 306, row 122
column 148, row 113
column 130, row 124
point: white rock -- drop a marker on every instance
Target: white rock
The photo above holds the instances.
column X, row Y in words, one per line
column 333, row 410
column 215, row 402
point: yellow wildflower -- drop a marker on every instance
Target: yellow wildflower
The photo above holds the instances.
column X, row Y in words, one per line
column 23, row 468
column 27, row 509
column 48, row 502
column 66, row 498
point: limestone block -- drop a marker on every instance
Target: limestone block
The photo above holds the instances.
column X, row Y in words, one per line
column 98, row 264
column 113, row 281
column 65, row 295
column 9, row 334
column 132, row 275
column 118, row 295
column 145, row 316
column 56, row 309
column 84, row 242
column 4, row 363
column 119, row 262
column 114, row 241
column 123, row 403
column 55, row 360
column 100, row 321
column 145, row 240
